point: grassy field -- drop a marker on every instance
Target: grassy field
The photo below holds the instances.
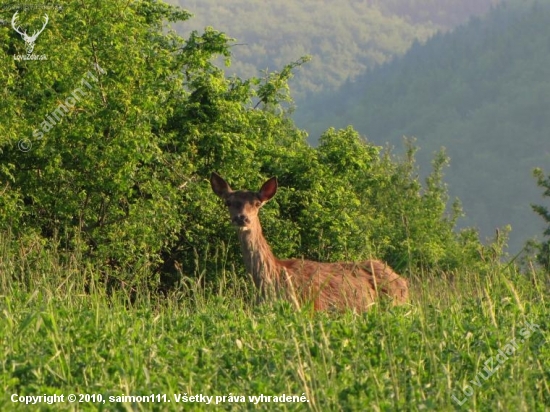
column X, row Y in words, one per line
column 466, row 342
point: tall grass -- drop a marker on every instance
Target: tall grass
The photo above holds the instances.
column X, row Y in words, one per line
column 64, row 332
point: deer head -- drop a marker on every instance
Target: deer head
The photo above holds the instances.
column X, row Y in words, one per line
column 29, row 40
column 243, row 205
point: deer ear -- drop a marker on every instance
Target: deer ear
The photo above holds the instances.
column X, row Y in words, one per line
column 268, row 189
column 219, row 186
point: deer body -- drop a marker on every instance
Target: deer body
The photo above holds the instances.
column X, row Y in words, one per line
column 328, row 285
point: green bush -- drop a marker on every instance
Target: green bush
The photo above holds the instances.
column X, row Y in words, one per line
column 542, row 249
column 120, row 176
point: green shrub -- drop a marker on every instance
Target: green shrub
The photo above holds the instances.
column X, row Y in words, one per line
column 542, row 249
column 120, row 175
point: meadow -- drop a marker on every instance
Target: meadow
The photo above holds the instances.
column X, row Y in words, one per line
column 111, row 297
column 465, row 342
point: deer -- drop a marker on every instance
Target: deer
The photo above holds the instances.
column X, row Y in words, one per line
column 329, row 286
column 29, row 40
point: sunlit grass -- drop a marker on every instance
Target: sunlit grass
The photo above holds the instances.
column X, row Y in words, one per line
column 63, row 332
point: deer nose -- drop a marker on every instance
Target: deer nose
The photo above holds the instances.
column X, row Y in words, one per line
column 241, row 220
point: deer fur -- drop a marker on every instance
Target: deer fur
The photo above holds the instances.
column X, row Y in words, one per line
column 328, row 285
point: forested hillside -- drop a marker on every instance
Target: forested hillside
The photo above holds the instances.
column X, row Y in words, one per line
column 344, row 37
column 443, row 13
column 483, row 92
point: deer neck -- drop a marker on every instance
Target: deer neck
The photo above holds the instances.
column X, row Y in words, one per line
column 258, row 257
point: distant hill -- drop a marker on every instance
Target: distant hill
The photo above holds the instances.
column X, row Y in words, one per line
column 345, row 37
column 483, row 92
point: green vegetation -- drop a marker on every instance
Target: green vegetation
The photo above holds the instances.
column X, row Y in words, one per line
column 63, row 332
column 481, row 92
column 120, row 275
column 344, row 37
column 543, row 248
column 122, row 142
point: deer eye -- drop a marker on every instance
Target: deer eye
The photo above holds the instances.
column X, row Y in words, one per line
column 228, row 203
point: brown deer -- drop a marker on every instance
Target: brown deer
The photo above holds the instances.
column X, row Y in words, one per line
column 327, row 285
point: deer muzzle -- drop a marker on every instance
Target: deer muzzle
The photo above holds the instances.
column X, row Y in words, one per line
column 240, row 220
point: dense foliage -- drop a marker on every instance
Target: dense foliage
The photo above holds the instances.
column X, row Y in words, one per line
column 121, row 176
column 543, row 248
column 344, row 37
column 483, row 92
